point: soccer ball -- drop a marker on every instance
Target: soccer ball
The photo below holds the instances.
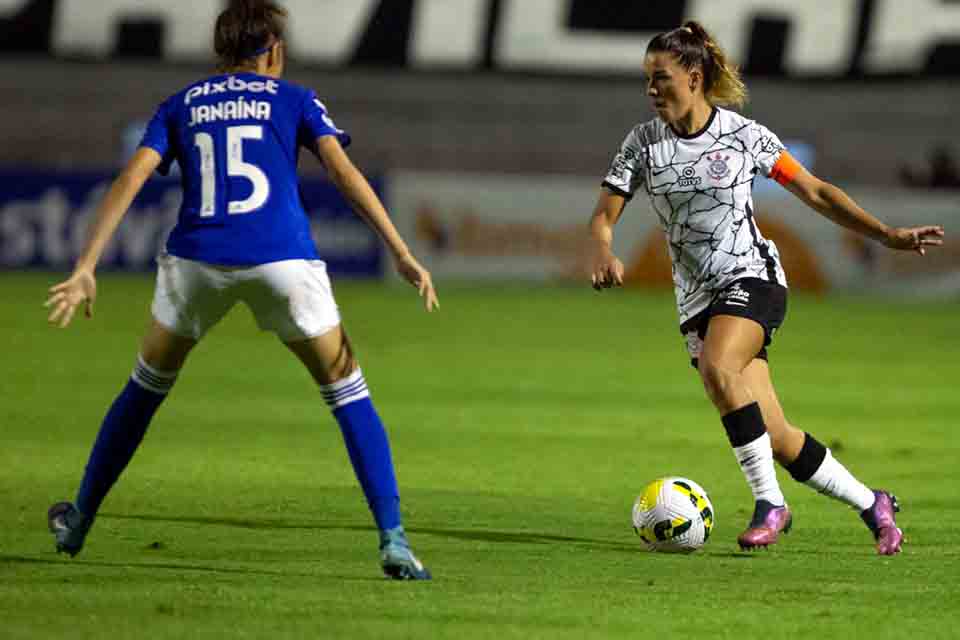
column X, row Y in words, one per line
column 673, row 515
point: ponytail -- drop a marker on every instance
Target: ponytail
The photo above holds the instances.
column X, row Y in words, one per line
column 245, row 29
column 694, row 47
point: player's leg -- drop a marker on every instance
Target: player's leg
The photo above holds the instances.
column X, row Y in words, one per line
column 731, row 343
column 294, row 299
column 189, row 299
column 813, row 464
column 785, row 439
column 331, row 362
column 161, row 356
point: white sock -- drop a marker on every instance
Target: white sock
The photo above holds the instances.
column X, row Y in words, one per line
column 833, row 479
column 756, row 461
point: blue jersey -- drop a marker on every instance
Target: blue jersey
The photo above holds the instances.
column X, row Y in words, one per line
column 237, row 139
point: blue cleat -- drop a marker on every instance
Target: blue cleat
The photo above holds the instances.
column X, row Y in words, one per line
column 397, row 559
column 68, row 526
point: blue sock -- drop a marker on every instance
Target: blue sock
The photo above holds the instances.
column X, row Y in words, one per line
column 121, row 433
column 368, row 446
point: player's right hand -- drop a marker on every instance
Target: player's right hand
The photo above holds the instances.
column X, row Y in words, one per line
column 607, row 271
column 414, row 273
column 64, row 298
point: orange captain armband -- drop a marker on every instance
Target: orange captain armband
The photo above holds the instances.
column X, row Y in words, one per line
column 786, row 169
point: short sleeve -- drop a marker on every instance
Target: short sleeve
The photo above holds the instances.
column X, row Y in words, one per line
column 157, row 137
column 627, row 171
column 316, row 122
column 765, row 147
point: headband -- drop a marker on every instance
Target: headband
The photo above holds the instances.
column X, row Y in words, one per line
column 262, row 49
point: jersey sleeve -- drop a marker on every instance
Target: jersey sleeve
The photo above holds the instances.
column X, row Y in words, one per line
column 765, row 147
column 627, row 171
column 316, row 122
column 157, row 137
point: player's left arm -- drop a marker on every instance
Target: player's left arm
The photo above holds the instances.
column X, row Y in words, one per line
column 363, row 199
column 834, row 204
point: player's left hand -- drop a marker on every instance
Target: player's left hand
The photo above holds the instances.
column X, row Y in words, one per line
column 81, row 287
column 915, row 238
column 414, row 273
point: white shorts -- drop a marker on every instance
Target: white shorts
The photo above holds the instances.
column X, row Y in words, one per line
column 292, row 298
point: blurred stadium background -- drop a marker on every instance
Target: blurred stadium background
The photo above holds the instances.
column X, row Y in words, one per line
column 488, row 124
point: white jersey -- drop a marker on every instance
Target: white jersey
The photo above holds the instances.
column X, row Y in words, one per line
column 700, row 186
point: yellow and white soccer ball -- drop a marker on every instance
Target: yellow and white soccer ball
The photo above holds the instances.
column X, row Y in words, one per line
column 673, row 515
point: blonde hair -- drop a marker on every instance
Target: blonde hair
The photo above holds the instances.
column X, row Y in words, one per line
column 693, row 46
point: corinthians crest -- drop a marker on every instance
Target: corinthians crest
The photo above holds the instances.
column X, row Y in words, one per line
column 718, row 169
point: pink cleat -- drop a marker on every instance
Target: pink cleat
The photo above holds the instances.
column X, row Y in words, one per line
column 882, row 523
column 767, row 523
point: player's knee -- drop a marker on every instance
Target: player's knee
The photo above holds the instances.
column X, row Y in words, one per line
column 328, row 361
column 164, row 357
column 718, row 377
column 164, row 350
column 342, row 368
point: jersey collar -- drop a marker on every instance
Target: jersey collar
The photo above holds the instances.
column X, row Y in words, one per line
column 700, row 132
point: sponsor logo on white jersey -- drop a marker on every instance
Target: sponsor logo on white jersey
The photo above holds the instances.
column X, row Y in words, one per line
column 689, row 178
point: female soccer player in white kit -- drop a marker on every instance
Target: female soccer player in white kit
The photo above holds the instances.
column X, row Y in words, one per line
column 696, row 161
column 242, row 235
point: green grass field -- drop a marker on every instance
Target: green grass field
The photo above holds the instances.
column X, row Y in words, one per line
column 524, row 421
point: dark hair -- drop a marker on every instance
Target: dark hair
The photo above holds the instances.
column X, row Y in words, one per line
column 693, row 47
column 245, row 28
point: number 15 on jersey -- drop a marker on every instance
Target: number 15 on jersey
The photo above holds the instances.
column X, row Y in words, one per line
column 236, row 168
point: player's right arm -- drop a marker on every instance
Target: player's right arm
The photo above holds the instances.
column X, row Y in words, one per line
column 625, row 175
column 364, row 201
column 606, row 270
column 81, row 286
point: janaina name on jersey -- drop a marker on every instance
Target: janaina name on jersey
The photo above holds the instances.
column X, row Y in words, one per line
column 238, row 109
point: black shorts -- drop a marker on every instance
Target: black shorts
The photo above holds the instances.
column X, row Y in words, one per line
column 759, row 300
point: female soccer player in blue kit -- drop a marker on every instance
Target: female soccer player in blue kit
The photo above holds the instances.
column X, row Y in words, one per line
column 696, row 162
column 241, row 235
